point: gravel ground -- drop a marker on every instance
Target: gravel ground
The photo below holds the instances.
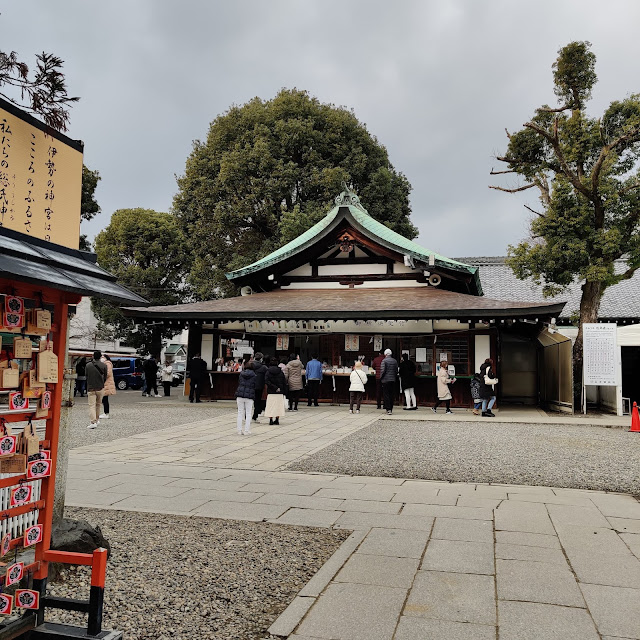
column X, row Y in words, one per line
column 132, row 414
column 176, row 577
column 582, row 457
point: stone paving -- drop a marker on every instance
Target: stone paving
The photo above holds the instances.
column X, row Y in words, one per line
column 426, row 560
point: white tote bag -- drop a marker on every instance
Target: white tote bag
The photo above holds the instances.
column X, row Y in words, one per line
column 275, row 405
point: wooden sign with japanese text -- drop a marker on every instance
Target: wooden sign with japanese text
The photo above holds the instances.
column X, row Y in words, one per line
column 351, row 342
column 600, row 354
column 40, row 179
column 47, row 366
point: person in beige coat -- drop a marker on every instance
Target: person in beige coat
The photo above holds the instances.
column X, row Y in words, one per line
column 444, row 392
column 109, row 387
column 293, row 375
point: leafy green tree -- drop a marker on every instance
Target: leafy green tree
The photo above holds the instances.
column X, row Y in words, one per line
column 269, row 170
column 45, row 92
column 89, row 206
column 587, row 173
column 146, row 250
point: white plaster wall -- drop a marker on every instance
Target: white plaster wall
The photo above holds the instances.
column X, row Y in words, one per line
column 629, row 336
column 450, row 325
column 206, row 349
column 400, row 267
column 482, row 350
column 383, row 284
column 304, row 270
column 349, row 269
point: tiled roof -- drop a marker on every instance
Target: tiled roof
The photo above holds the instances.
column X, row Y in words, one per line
column 396, row 302
column 27, row 259
column 347, row 199
column 498, row 280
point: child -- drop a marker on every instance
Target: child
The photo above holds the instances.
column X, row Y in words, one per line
column 475, row 393
column 358, row 379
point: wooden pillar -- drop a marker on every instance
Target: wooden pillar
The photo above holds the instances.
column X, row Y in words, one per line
column 195, row 340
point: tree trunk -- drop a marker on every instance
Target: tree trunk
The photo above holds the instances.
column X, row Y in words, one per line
column 589, row 308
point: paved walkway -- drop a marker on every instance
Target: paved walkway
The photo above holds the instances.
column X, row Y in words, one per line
column 426, row 560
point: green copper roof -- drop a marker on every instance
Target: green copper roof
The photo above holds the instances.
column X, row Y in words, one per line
column 365, row 223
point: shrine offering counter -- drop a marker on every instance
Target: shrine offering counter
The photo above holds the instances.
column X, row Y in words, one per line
column 334, row 389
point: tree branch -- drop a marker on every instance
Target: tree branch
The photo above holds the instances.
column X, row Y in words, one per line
column 550, row 110
column 555, row 143
column 524, row 188
column 497, row 173
column 543, row 185
column 631, row 187
column 628, row 274
column 604, row 152
column 541, row 215
column 509, row 160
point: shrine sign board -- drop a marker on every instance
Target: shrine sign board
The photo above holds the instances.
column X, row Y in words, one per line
column 40, row 179
column 600, row 354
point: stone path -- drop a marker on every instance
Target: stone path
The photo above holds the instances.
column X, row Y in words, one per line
column 426, row 560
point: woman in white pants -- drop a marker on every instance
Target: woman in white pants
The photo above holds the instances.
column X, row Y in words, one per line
column 245, row 395
column 407, row 371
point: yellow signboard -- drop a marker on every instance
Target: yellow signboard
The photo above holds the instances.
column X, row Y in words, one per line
column 40, row 179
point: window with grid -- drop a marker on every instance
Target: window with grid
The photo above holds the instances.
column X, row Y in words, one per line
column 457, row 350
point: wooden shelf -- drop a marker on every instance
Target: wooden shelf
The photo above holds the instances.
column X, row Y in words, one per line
column 5, row 412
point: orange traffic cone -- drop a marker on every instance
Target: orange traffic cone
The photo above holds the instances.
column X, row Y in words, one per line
column 635, row 418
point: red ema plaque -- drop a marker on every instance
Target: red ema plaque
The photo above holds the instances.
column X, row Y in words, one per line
column 6, row 604
column 6, row 541
column 38, row 469
column 20, row 495
column 14, row 573
column 27, row 599
column 7, row 445
column 32, row 535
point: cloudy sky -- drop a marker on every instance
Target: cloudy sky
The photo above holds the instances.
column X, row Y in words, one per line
column 436, row 81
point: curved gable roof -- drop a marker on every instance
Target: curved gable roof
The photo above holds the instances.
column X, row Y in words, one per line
column 347, row 206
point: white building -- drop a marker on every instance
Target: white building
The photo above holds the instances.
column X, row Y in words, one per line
column 620, row 305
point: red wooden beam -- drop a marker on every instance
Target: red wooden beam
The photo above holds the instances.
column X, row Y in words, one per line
column 25, row 508
column 14, row 480
column 68, row 557
column 99, row 568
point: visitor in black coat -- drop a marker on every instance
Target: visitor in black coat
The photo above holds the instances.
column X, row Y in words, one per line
column 244, row 397
column 276, row 388
column 260, row 370
column 407, row 371
column 487, row 387
column 197, row 377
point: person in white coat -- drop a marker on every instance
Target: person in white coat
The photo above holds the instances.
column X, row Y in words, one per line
column 167, row 378
column 357, row 380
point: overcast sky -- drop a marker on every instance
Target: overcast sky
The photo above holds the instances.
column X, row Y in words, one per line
column 437, row 82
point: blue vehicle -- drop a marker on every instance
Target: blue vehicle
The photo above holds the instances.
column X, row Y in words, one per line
column 127, row 372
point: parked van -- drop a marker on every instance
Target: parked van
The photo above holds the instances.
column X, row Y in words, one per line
column 127, row 372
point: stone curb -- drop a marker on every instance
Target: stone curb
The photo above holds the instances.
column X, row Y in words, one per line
column 467, row 416
column 291, row 617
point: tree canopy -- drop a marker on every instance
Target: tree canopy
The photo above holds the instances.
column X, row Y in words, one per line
column 587, row 173
column 45, row 92
column 89, row 206
column 146, row 250
column 268, row 171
